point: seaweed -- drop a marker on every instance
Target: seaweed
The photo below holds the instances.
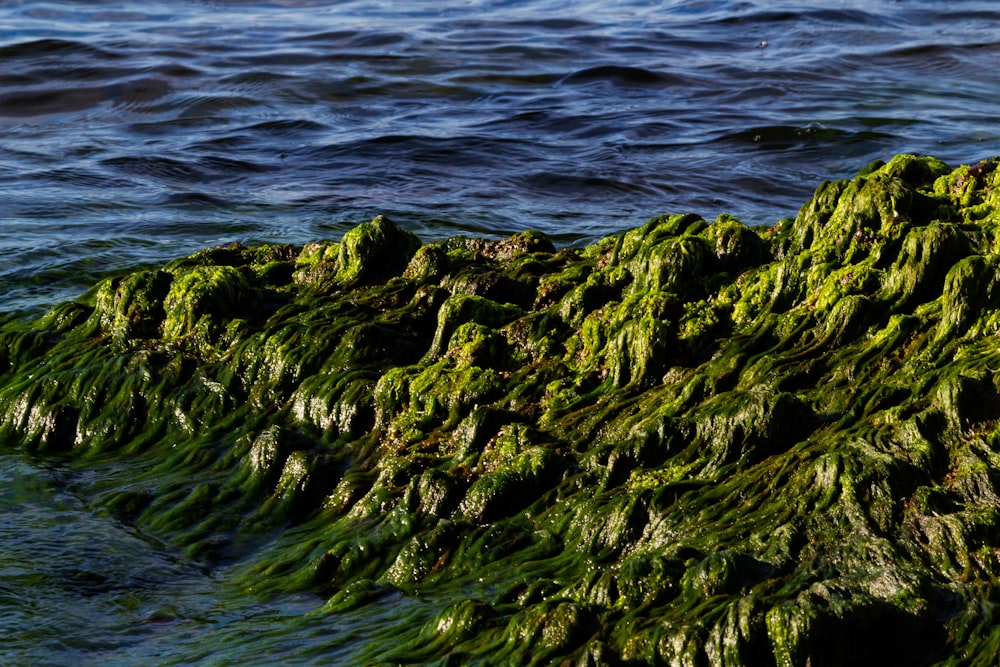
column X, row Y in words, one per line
column 692, row 443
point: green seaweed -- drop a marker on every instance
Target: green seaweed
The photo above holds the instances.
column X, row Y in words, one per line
column 691, row 443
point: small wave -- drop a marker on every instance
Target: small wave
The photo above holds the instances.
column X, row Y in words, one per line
column 78, row 176
column 55, row 47
column 457, row 153
column 505, row 79
column 554, row 24
column 783, row 135
column 221, row 165
column 813, row 148
column 930, row 60
column 354, row 39
column 617, row 75
column 210, row 106
column 256, row 79
column 34, row 102
column 804, row 15
column 160, row 168
column 287, row 127
column 138, row 93
column 48, row 99
column 583, row 188
column 197, row 200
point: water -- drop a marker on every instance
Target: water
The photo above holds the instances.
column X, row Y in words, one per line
column 136, row 132
column 133, row 133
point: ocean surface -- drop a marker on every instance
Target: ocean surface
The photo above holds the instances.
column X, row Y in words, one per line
column 135, row 132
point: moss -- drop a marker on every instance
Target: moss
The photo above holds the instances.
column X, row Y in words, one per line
column 199, row 297
column 751, row 426
column 815, row 624
column 461, row 309
column 927, row 254
column 547, row 630
column 737, row 247
column 356, row 594
column 306, row 479
column 510, row 487
column 131, row 308
column 428, row 265
column 373, row 252
column 970, row 290
column 667, row 263
column 690, row 443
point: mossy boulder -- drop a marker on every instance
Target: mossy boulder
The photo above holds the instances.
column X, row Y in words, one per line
column 693, row 443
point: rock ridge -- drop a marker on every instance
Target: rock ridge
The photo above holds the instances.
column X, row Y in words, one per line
column 692, row 443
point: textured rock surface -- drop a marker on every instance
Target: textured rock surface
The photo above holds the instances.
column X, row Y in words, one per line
column 693, row 443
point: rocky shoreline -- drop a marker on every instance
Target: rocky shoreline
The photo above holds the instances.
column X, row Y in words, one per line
column 692, row 443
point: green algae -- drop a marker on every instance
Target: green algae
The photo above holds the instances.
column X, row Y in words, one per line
column 691, row 443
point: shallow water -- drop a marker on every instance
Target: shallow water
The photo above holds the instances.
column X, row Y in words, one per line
column 78, row 588
column 136, row 132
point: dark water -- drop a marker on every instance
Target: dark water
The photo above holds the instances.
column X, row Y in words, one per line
column 134, row 132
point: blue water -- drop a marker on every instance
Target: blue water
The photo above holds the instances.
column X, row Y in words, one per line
column 134, row 132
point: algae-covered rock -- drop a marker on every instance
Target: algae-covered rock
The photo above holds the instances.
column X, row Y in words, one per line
column 693, row 443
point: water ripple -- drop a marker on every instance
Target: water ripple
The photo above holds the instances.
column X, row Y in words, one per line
column 283, row 122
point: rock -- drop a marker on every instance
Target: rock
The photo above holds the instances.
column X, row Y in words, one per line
column 691, row 443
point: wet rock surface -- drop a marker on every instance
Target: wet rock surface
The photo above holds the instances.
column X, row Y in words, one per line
column 692, row 443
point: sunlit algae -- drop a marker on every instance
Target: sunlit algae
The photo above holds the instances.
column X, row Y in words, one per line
column 694, row 443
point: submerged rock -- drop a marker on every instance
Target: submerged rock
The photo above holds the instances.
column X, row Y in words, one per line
column 692, row 443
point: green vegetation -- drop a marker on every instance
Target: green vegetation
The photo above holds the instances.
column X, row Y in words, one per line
column 695, row 443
